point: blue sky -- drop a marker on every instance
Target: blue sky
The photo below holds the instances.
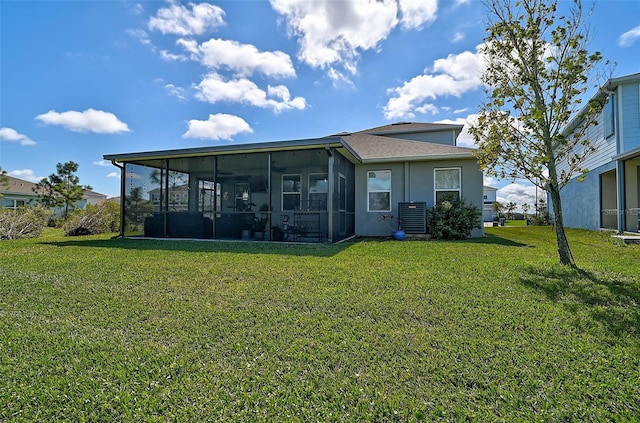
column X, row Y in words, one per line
column 80, row 79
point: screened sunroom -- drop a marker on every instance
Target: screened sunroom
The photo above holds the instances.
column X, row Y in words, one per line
column 287, row 191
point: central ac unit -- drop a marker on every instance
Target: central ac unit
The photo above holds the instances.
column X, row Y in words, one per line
column 413, row 217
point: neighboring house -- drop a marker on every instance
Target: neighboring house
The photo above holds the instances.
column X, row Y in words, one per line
column 21, row 193
column 609, row 195
column 314, row 190
column 489, row 197
column 18, row 193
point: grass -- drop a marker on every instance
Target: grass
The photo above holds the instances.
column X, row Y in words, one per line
column 94, row 329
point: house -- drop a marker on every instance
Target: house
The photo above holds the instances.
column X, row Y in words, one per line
column 489, row 197
column 311, row 190
column 609, row 195
column 19, row 193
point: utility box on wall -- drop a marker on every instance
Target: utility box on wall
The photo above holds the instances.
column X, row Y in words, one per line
column 413, row 217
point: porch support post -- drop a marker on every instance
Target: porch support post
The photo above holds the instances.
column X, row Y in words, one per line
column 270, row 189
column 621, row 197
column 331, row 189
column 123, row 187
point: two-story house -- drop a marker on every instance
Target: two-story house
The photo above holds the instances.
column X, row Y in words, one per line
column 609, row 195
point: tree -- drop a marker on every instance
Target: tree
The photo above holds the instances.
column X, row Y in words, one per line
column 538, row 68
column 4, row 180
column 136, row 208
column 525, row 209
column 61, row 189
column 511, row 207
column 498, row 207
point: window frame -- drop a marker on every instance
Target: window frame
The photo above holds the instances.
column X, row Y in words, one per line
column 370, row 191
column 609, row 118
column 311, row 192
column 436, row 190
column 298, row 193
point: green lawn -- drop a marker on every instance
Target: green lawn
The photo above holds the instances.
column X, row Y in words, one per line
column 96, row 329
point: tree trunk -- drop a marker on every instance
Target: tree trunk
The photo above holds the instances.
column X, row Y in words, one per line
column 566, row 258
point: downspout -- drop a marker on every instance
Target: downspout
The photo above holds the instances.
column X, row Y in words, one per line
column 407, row 182
column 620, row 185
column 122, row 188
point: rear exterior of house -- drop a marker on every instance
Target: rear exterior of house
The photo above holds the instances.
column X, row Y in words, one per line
column 308, row 190
column 609, row 195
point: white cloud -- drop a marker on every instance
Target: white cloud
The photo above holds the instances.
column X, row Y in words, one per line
column 464, row 139
column 141, row 35
column 519, row 192
column 10, row 134
column 135, row 9
column 90, row 120
column 26, row 174
column 218, row 127
column 454, row 75
column 170, row 57
column 114, row 175
column 177, row 92
column 102, row 163
column 214, row 88
column 192, row 20
column 241, row 59
column 416, row 13
column 489, row 181
column 628, row 38
column 458, row 36
column 334, row 33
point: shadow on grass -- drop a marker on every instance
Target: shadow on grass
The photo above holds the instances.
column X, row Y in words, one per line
column 496, row 240
column 240, row 247
column 613, row 303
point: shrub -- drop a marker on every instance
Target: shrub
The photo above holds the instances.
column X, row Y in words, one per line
column 24, row 222
column 541, row 219
column 94, row 219
column 452, row 218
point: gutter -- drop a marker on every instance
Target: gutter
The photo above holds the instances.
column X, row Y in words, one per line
column 419, row 158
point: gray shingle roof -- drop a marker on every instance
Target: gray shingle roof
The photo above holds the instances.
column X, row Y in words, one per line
column 406, row 127
column 375, row 148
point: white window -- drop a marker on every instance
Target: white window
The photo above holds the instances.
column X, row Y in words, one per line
column 291, row 192
column 448, row 183
column 379, row 190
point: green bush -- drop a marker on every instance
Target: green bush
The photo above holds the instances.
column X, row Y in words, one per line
column 452, row 218
column 541, row 219
column 94, row 219
column 24, row 222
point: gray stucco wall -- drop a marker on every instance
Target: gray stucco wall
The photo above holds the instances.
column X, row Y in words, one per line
column 581, row 200
column 412, row 181
column 438, row 137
